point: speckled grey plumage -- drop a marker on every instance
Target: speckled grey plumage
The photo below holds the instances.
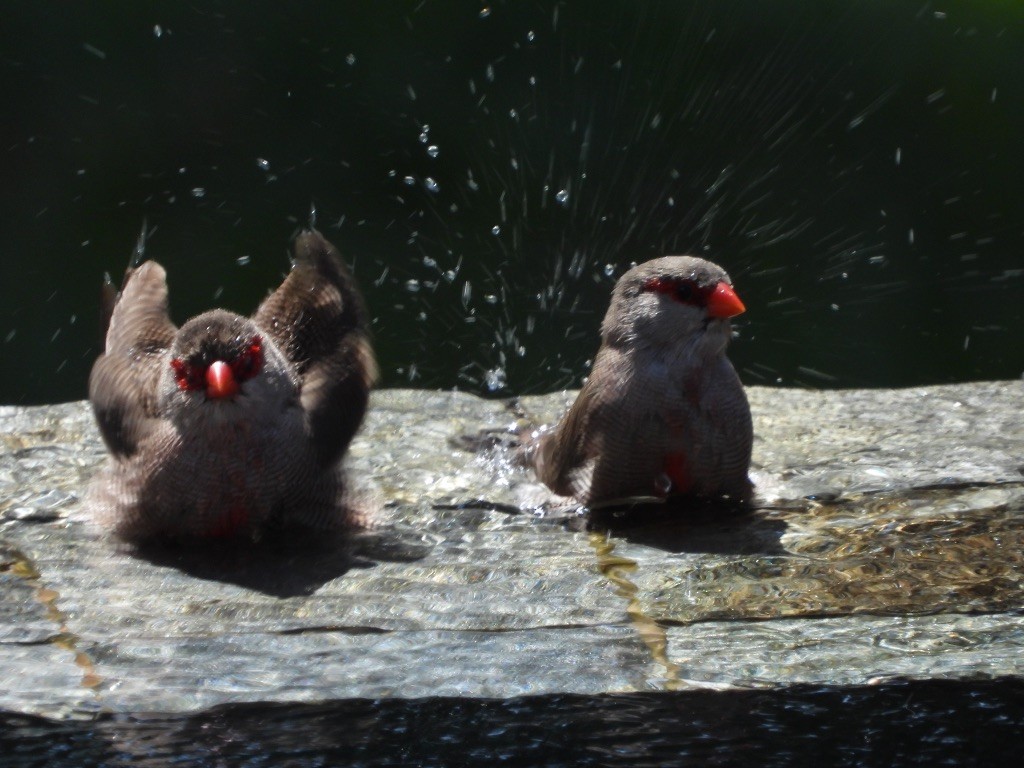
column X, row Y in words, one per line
column 179, row 463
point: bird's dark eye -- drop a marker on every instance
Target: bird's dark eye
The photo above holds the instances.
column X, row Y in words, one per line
column 679, row 289
column 684, row 290
column 250, row 361
column 188, row 376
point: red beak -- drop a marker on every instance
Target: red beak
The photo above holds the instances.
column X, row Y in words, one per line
column 220, row 381
column 723, row 302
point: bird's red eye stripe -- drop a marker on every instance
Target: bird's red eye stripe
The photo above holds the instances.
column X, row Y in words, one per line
column 187, row 376
column 681, row 290
column 249, row 363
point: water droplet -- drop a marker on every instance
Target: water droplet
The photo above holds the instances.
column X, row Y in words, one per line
column 158, row 31
column 533, row 80
column 899, row 155
column 433, row 151
column 409, row 181
column 198, row 192
column 243, row 260
column 99, row 54
column 663, row 484
column 609, row 270
column 562, row 196
column 531, row 36
column 263, row 164
column 513, row 114
column 490, row 298
column 485, row 12
column 490, row 72
column 350, row 59
column 495, row 230
column 412, row 286
column 656, row 120
column 431, row 185
column 495, row 379
column 467, row 292
column 411, row 91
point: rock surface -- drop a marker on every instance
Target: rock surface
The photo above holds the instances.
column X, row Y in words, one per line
column 888, row 541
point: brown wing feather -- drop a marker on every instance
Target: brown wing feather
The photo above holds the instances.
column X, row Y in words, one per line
column 108, row 300
column 318, row 319
column 597, row 452
column 626, row 461
column 123, row 383
column 563, row 450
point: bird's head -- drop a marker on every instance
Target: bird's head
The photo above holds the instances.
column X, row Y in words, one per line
column 673, row 301
column 220, row 358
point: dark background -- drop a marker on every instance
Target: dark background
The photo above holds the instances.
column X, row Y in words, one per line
column 856, row 166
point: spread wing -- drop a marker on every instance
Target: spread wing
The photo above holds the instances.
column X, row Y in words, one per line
column 124, row 379
column 318, row 319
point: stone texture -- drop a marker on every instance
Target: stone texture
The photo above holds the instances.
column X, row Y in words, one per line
column 906, row 561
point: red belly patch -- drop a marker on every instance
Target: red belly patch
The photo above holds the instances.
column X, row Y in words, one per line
column 229, row 523
column 674, row 465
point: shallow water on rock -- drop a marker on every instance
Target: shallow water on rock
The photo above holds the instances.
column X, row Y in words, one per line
column 867, row 610
column 904, row 553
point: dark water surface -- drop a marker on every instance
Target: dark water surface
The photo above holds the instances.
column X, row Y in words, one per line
column 491, row 168
column 896, row 724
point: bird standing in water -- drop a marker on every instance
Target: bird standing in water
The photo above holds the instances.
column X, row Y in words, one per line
column 231, row 427
column 663, row 412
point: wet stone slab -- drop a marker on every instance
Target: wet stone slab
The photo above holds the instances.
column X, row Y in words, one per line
column 887, row 541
